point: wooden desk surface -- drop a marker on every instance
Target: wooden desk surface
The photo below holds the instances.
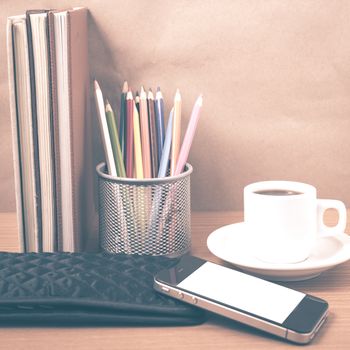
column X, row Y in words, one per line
column 216, row 333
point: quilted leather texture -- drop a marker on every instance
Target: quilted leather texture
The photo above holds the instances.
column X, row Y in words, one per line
column 87, row 288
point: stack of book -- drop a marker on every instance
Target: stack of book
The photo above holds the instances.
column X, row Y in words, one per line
column 49, row 96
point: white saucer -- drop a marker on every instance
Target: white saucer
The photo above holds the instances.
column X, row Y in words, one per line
column 231, row 243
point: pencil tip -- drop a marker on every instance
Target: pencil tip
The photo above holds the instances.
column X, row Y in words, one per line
column 125, row 87
column 143, row 93
column 150, row 94
column 108, row 107
column 177, row 95
column 159, row 94
column 136, row 112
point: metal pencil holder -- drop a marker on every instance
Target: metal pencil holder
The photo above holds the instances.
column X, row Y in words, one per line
column 146, row 217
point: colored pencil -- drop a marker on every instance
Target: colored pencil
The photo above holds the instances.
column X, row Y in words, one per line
column 189, row 135
column 176, row 132
column 137, row 145
column 129, row 134
column 163, row 166
column 122, row 122
column 159, row 112
column 106, row 140
column 113, row 132
column 146, row 156
column 153, row 134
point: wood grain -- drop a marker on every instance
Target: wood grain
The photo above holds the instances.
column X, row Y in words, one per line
column 216, row 333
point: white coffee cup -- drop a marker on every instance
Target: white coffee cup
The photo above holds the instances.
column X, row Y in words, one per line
column 284, row 219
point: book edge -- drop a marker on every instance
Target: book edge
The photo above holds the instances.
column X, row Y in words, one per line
column 48, row 210
column 35, row 138
column 15, row 137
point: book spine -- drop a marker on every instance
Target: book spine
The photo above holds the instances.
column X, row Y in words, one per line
column 75, row 235
column 81, row 170
column 34, row 133
column 55, row 127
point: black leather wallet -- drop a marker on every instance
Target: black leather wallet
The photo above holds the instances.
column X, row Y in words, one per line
column 87, row 289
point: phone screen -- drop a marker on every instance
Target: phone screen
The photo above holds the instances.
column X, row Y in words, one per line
column 242, row 291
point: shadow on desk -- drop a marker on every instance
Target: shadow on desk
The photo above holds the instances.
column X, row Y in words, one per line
column 247, row 331
column 336, row 279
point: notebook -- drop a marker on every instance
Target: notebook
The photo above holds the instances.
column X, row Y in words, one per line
column 39, row 54
column 72, row 126
column 25, row 148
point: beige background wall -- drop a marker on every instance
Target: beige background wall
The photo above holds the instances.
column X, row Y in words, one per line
column 275, row 76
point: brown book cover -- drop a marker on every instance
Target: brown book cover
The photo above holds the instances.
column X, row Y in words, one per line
column 75, row 171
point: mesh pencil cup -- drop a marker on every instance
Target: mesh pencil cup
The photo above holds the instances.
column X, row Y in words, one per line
column 146, row 217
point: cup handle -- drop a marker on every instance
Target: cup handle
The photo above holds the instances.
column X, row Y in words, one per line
column 322, row 206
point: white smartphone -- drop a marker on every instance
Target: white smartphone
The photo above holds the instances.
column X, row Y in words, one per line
column 268, row 306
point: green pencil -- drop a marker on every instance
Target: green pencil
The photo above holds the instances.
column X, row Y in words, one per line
column 122, row 123
column 113, row 132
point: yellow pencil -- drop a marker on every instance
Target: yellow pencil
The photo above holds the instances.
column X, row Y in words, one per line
column 137, row 145
column 175, row 146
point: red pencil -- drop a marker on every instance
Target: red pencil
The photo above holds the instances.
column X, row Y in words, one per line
column 129, row 134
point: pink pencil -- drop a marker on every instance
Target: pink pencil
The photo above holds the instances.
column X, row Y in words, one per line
column 187, row 142
column 175, row 144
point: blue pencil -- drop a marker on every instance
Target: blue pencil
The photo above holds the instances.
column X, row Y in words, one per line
column 159, row 111
column 166, row 148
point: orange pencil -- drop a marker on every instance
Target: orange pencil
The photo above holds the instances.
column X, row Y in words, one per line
column 146, row 156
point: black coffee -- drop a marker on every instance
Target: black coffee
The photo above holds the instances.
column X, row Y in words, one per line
column 278, row 192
